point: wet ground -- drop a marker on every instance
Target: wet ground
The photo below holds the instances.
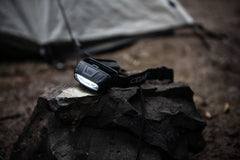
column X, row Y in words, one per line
column 214, row 76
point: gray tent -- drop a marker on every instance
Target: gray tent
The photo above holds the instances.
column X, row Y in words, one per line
column 30, row 24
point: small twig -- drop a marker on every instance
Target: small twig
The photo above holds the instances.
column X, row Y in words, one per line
column 10, row 117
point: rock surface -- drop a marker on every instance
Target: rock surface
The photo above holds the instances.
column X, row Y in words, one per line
column 72, row 123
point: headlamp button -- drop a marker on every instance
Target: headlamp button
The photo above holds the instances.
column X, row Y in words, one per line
column 89, row 71
column 95, row 66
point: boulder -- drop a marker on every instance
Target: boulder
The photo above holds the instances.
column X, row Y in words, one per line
column 71, row 123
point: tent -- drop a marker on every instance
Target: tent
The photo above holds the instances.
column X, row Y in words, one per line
column 31, row 24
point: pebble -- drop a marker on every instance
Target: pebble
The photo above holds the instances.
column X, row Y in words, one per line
column 208, row 115
column 226, row 108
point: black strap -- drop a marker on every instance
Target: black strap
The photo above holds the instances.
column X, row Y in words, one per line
column 161, row 73
column 140, row 142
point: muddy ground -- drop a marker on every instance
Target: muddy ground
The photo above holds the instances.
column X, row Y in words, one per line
column 214, row 76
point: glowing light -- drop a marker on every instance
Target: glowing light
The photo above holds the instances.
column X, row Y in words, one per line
column 86, row 82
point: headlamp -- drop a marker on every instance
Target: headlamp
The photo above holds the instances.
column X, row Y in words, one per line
column 94, row 74
column 98, row 74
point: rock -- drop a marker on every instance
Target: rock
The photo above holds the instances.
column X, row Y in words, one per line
column 208, row 115
column 73, row 123
column 226, row 108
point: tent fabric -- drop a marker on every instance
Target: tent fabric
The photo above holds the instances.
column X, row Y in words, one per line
column 41, row 20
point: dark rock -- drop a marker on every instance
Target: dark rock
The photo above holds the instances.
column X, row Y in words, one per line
column 72, row 123
column 2, row 154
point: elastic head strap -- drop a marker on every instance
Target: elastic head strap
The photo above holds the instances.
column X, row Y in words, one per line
column 161, row 73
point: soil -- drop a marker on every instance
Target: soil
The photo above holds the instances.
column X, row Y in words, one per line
column 214, row 76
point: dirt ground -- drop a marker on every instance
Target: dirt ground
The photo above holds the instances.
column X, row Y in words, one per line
column 214, row 76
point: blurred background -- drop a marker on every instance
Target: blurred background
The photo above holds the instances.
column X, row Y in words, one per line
column 212, row 73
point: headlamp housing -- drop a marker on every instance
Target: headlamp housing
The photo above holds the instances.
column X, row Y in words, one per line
column 92, row 76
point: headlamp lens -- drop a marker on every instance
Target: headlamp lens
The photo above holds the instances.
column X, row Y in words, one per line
column 86, row 82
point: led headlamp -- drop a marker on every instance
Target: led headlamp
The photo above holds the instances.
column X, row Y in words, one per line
column 98, row 75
